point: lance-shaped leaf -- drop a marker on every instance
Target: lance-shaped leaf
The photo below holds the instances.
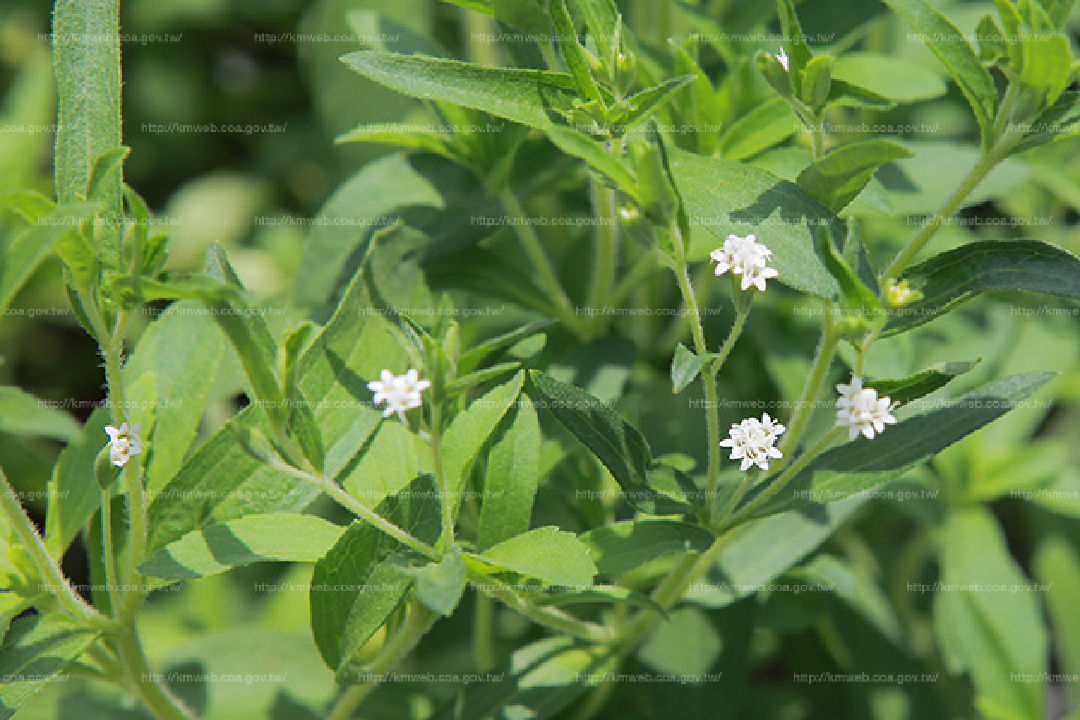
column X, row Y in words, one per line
column 36, row 650
column 548, row 554
column 685, row 367
column 218, row 547
column 765, row 126
column 836, row 178
column 528, row 97
column 601, row 18
column 950, row 47
column 512, row 477
column 861, row 465
column 904, row 390
column 958, row 275
column 1061, row 120
column 628, row 544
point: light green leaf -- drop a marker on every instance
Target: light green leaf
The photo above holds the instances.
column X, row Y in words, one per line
column 219, row 547
column 729, row 197
column 35, row 651
column 1062, row 120
column 901, row 80
column 794, row 41
column 524, row 96
column 439, row 585
column 513, row 473
column 23, row 414
column 1058, row 570
column 623, row 546
column 599, row 158
column 547, row 554
column 685, row 367
column 985, row 629
column 765, row 126
column 686, row 645
column 646, row 102
column 950, row 47
column 573, row 54
column 601, row 19
column 836, row 178
column 856, row 586
column 524, row 15
column 470, row 429
column 73, row 493
column 86, row 58
column 958, row 275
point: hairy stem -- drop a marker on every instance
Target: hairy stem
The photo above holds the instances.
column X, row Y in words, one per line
column 606, row 253
column 49, row 573
column 804, row 407
column 112, row 577
column 418, row 621
column 362, row 511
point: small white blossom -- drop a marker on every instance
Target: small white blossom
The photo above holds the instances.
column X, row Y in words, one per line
column 782, row 58
column 399, row 392
column 752, row 441
column 860, row 410
column 746, row 257
column 123, row 443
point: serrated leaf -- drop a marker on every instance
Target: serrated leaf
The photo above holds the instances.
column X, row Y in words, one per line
column 861, row 465
column 950, row 47
column 219, row 547
column 837, row 177
column 35, row 651
column 626, row 545
column 958, row 275
column 513, row 473
column 548, row 554
column 601, row 19
column 524, row 96
column 924, row 382
column 729, row 197
column 573, row 54
column 685, row 367
column 86, row 58
column 645, row 102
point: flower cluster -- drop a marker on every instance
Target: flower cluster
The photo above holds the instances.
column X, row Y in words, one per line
column 752, row 441
column 399, row 392
column 123, row 443
column 860, row 409
column 747, row 257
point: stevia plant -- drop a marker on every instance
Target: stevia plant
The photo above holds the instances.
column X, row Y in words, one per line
column 450, row 481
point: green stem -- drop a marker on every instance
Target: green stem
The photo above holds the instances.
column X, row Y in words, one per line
column 362, row 511
column 549, row 617
column 643, row 267
column 712, row 419
column 785, row 477
column 804, row 407
column 483, row 634
column 153, row 694
column 49, row 572
column 534, row 251
column 401, row 643
column 112, row 577
column 445, row 496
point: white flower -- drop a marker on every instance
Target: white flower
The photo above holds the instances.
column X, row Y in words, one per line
column 752, row 440
column 399, row 392
column 746, row 257
column 860, row 410
column 123, row 443
column 782, row 58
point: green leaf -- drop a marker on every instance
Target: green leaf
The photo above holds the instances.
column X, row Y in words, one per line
column 644, row 103
column 439, row 585
column 816, row 81
column 30, row 247
column 513, row 473
column 469, row 430
column 958, row 275
column 357, row 585
column 540, row 680
column 1047, row 64
column 74, row 495
column 547, row 554
column 794, row 41
column 474, row 356
column 24, row 414
column 1060, row 121
column 685, row 646
column 597, row 594
column 1058, row 10
column 861, row 465
column 573, row 54
column 36, row 650
column 601, row 18
column 950, row 47
column 761, row 550
column 614, row 441
column 847, row 94
column 1058, row 570
column 765, row 126
column 524, row 15
column 107, row 173
column 224, row 479
column 983, row 631
column 855, row 585
column 626, row 545
column 598, row 157
column 181, row 352
column 836, row 178
column 899, row 79
column 86, row 58
column 219, row 547
column 730, row 197
column 904, row 390
column 524, row 96
column 685, row 367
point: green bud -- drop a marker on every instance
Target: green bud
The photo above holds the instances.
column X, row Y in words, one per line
column 817, row 81
column 104, row 471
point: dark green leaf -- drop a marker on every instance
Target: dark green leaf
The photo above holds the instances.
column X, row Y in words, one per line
column 512, row 476
column 36, row 650
column 626, row 545
column 904, row 390
column 836, row 178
